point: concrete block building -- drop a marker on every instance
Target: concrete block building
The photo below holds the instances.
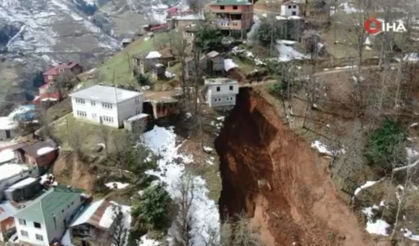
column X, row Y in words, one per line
column 106, row 105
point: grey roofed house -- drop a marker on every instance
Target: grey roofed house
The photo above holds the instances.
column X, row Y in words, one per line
column 105, row 94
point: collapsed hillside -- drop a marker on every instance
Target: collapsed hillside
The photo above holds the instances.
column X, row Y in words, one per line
column 274, row 176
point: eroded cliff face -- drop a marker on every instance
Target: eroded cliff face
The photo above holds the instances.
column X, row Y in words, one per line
column 272, row 174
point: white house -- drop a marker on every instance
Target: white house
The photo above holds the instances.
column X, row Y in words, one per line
column 290, row 8
column 45, row 219
column 106, row 105
column 221, row 92
column 8, row 128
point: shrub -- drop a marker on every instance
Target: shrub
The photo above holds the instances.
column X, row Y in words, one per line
column 208, row 38
column 154, row 208
column 142, row 79
column 386, row 145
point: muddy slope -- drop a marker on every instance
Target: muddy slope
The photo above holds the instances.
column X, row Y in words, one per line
column 298, row 204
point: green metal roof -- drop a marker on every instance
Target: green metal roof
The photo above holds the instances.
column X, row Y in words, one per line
column 232, row 2
column 43, row 207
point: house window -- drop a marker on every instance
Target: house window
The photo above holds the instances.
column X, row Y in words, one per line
column 289, row 6
column 218, row 88
column 22, row 222
column 24, row 233
column 39, row 237
column 94, row 116
column 37, row 225
column 107, row 105
column 222, row 7
column 231, row 87
column 80, row 100
column 137, row 100
column 294, row 13
column 81, row 113
column 295, row 6
column 231, row 98
column 93, row 103
column 234, row 7
column 108, row 119
column 50, row 77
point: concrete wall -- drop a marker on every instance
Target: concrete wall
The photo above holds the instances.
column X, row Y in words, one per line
column 4, row 134
column 246, row 12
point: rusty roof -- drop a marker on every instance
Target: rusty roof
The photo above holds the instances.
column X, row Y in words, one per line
column 92, row 214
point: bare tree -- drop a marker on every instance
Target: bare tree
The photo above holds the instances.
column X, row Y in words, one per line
column 64, row 82
column 240, row 232
column 184, row 220
column 120, row 232
column 74, row 137
column 196, row 5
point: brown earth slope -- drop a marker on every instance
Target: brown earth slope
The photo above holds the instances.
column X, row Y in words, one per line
column 299, row 204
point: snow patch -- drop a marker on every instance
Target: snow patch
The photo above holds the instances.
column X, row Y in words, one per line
column 208, row 149
column 119, row 185
column 366, row 185
column 323, row 149
column 171, row 167
column 44, row 151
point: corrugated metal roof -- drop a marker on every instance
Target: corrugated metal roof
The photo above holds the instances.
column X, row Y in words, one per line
column 92, row 214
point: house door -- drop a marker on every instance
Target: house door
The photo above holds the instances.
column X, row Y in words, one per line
column 100, row 120
column 8, row 134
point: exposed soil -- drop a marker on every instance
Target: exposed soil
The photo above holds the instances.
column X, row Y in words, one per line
column 75, row 171
column 298, row 205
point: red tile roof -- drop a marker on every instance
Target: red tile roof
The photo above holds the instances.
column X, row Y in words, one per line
column 56, row 70
column 160, row 26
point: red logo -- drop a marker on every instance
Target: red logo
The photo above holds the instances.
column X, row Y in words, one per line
column 372, row 29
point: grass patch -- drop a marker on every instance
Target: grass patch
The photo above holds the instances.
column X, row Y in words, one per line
column 245, row 65
column 119, row 67
column 89, row 133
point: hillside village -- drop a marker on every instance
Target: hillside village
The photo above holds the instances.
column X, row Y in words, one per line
column 274, row 122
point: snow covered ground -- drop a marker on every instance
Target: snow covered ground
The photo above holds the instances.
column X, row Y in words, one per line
column 43, row 24
column 162, row 141
column 323, row 149
column 366, row 185
column 119, row 185
column 375, row 226
column 287, row 52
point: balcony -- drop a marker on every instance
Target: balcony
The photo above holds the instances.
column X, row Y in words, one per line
column 225, row 24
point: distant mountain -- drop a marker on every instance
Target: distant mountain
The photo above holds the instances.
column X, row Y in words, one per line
column 35, row 34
